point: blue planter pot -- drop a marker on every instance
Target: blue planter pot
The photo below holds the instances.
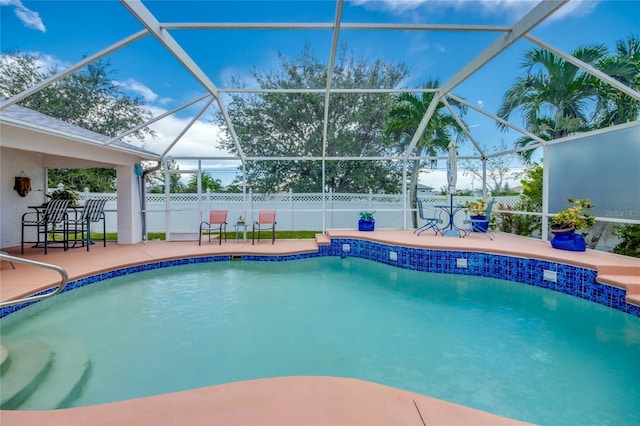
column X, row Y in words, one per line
column 366, row 225
column 568, row 240
column 481, row 225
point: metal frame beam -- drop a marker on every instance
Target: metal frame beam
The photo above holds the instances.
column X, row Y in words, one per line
column 327, row 26
column 511, row 34
column 538, row 14
column 157, row 118
column 496, row 118
column 332, row 60
column 463, row 127
column 187, row 127
column 146, row 18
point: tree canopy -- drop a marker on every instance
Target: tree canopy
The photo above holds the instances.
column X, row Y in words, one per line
column 97, row 180
column 615, row 107
column 89, row 98
column 291, row 125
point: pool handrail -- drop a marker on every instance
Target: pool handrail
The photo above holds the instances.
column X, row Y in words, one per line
column 29, row 299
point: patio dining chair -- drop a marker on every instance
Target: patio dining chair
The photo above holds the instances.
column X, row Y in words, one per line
column 93, row 211
column 430, row 222
column 266, row 221
column 217, row 222
column 54, row 221
column 481, row 225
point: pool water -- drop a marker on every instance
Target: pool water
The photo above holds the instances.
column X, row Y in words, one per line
column 507, row 348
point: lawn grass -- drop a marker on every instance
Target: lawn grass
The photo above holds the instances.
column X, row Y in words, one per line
column 280, row 235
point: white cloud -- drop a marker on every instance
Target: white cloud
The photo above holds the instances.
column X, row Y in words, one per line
column 202, row 139
column 45, row 62
column 227, row 76
column 135, row 86
column 518, row 8
column 394, row 6
column 30, row 18
column 575, row 8
column 437, row 179
column 513, row 8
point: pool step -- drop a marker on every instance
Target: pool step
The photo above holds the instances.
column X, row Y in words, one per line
column 30, row 363
column 55, row 384
column 323, row 239
column 5, row 361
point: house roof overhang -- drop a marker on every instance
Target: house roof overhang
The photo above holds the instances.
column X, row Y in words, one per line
column 28, row 130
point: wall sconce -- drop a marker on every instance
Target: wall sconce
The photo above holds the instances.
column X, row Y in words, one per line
column 22, row 184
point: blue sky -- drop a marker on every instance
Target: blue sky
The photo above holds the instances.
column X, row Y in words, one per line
column 62, row 32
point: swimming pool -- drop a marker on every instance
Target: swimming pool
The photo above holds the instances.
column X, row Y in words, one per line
column 515, row 350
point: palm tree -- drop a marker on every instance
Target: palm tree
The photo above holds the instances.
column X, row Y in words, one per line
column 403, row 120
column 556, row 97
column 553, row 95
column 208, row 182
column 615, row 107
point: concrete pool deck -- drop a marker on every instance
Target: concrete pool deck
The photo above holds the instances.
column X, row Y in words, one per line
column 286, row 400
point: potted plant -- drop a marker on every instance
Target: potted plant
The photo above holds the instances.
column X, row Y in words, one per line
column 477, row 211
column 366, row 222
column 566, row 222
column 65, row 194
column 477, row 207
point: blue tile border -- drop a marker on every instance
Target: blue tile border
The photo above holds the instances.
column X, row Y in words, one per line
column 572, row 280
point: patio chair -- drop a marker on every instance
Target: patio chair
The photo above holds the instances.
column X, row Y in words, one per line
column 431, row 222
column 266, row 221
column 481, row 225
column 217, row 222
column 52, row 222
column 93, row 211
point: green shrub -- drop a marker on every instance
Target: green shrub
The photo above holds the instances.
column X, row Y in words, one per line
column 630, row 244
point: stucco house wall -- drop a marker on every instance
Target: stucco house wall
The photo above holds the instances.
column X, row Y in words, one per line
column 12, row 205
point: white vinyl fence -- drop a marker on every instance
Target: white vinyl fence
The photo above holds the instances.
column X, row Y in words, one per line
column 295, row 211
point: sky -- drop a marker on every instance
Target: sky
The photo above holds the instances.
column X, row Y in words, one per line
column 63, row 32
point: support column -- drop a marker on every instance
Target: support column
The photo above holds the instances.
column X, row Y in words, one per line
column 129, row 220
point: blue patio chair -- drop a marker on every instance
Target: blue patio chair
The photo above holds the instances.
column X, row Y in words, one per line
column 481, row 225
column 431, row 222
